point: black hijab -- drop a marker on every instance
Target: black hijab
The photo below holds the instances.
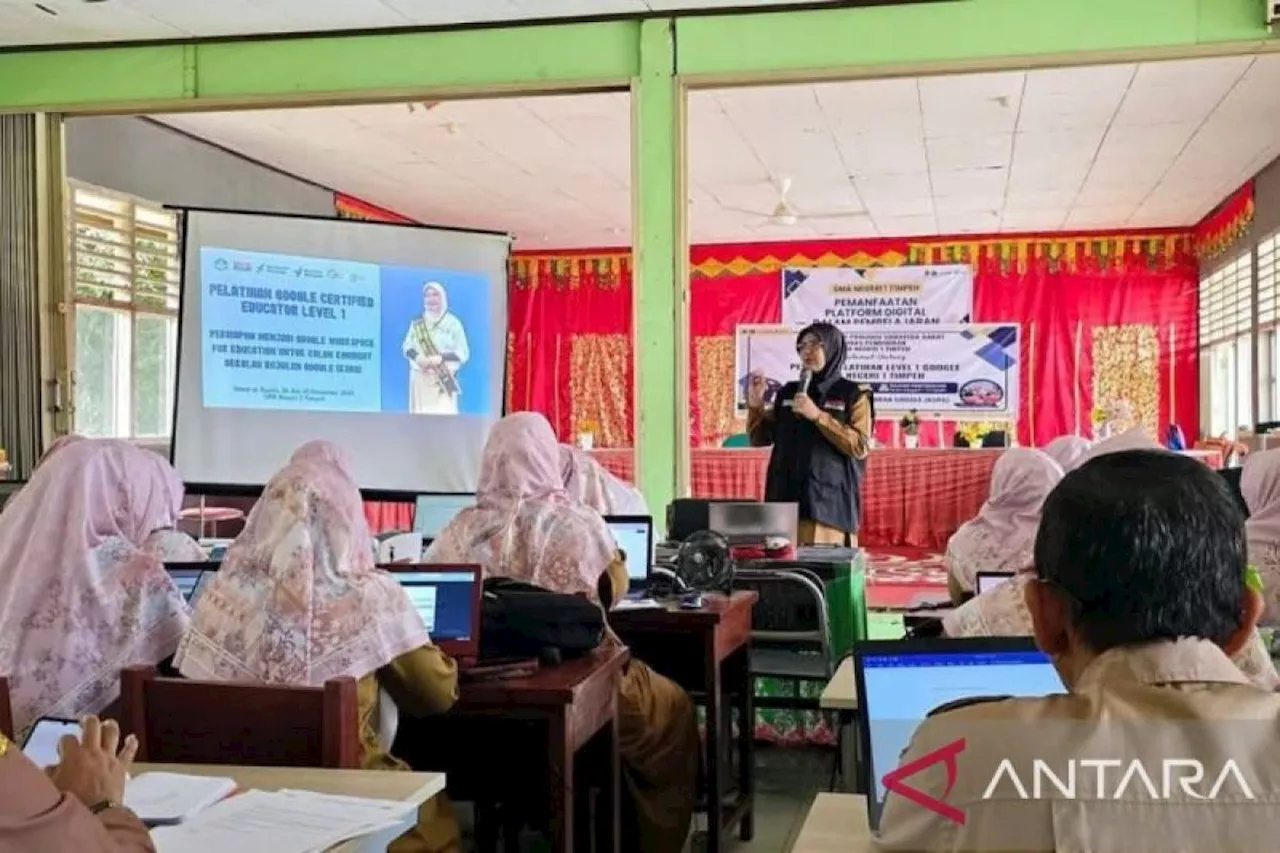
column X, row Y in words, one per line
column 833, row 347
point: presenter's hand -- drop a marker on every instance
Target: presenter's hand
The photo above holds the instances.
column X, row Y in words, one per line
column 755, row 390
column 806, row 408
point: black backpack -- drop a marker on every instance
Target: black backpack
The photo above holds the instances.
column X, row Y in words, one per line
column 520, row 620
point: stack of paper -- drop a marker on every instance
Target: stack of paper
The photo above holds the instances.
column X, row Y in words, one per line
column 165, row 798
column 281, row 822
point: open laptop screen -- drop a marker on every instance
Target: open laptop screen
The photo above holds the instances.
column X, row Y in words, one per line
column 988, row 581
column 448, row 600
column 433, row 512
column 900, row 682
column 187, row 581
column 634, row 535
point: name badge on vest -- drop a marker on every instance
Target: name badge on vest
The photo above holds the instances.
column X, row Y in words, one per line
column 837, row 408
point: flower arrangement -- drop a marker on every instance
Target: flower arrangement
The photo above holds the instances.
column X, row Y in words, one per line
column 910, row 423
column 975, row 431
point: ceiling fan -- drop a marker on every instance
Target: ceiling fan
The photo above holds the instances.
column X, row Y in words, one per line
column 784, row 213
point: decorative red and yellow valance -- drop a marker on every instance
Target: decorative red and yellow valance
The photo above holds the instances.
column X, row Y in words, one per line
column 735, row 260
column 1227, row 223
column 350, row 207
column 1065, row 253
column 569, row 272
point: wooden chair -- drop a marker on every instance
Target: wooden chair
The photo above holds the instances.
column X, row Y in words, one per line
column 179, row 721
column 6, row 711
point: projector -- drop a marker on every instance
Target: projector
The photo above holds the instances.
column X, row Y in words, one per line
column 399, row 547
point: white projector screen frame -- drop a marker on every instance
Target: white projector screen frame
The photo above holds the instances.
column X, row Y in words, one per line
column 392, row 454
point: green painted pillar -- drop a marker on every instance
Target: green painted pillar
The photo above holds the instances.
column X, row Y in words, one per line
column 660, row 244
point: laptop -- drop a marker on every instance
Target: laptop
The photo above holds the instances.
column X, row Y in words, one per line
column 448, row 600
column 191, row 578
column 433, row 512
column 900, row 681
column 988, row 581
column 634, row 536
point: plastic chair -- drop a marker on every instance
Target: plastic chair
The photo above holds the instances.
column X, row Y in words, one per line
column 181, row 721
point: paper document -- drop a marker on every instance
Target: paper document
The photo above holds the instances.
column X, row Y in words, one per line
column 636, row 604
column 281, row 822
column 160, row 798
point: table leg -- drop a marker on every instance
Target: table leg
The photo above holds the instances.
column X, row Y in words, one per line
column 559, row 785
column 609, row 804
column 715, row 768
column 747, row 744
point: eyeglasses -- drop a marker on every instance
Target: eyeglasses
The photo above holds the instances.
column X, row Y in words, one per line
column 807, row 345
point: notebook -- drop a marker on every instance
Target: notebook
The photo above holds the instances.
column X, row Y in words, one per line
column 448, row 600
column 161, row 799
column 900, row 681
column 634, row 537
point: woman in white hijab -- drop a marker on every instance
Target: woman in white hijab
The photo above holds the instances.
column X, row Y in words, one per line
column 1003, row 536
column 1002, row 612
column 1260, row 485
column 436, row 347
column 1067, row 450
column 588, row 482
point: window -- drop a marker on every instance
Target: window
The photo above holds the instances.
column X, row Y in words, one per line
column 1269, row 328
column 1226, row 341
column 123, row 256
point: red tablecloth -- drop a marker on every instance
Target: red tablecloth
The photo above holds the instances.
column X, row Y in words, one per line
column 911, row 497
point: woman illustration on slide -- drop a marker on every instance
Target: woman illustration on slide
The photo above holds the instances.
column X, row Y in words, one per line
column 436, row 346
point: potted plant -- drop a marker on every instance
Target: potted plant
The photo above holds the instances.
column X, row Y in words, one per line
column 910, row 425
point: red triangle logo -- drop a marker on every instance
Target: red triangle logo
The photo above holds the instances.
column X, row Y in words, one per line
column 948, row 754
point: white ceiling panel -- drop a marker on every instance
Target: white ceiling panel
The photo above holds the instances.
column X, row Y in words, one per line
column 1122, row 146
column 77, row 21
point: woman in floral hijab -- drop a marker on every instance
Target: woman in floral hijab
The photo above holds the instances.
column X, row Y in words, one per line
column 298, row 600
column 526, row 526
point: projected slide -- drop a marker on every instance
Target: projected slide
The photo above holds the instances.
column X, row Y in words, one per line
column 297, row 333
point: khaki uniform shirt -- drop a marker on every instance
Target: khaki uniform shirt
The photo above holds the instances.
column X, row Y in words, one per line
column 1058, row 773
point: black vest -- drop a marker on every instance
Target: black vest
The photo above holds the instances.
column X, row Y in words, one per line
column 807, row 469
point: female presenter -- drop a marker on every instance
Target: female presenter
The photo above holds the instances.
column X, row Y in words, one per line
column 819, row 428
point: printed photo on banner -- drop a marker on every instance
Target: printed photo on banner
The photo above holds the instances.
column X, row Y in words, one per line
column 877, row 296
column 959, row 371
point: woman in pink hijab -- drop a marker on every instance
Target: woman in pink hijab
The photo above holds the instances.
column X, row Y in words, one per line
column 526, row 526
column 1067, row 450
column 1260, row 486
column 588, row 482
column 1003, row 536
column 80, row 598
column 1002, row 612
column 299, row 601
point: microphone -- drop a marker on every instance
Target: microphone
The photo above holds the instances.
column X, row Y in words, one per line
column 806, row 376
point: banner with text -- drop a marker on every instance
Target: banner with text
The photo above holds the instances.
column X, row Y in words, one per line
column 963, row 372
column 877, row 296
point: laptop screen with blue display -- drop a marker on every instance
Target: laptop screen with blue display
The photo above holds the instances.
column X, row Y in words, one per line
column 448, row 600
column 901, row 681
column 433, row 512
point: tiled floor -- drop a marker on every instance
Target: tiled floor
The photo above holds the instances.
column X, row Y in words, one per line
column 787, row 779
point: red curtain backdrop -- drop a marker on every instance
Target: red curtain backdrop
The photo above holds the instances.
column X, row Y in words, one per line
column 569, row 343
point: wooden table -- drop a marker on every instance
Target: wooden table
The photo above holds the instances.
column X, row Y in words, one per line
column 708, row 652
column 375, row 784
column 837, row 823
column 542, row 725
column 841, row 695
